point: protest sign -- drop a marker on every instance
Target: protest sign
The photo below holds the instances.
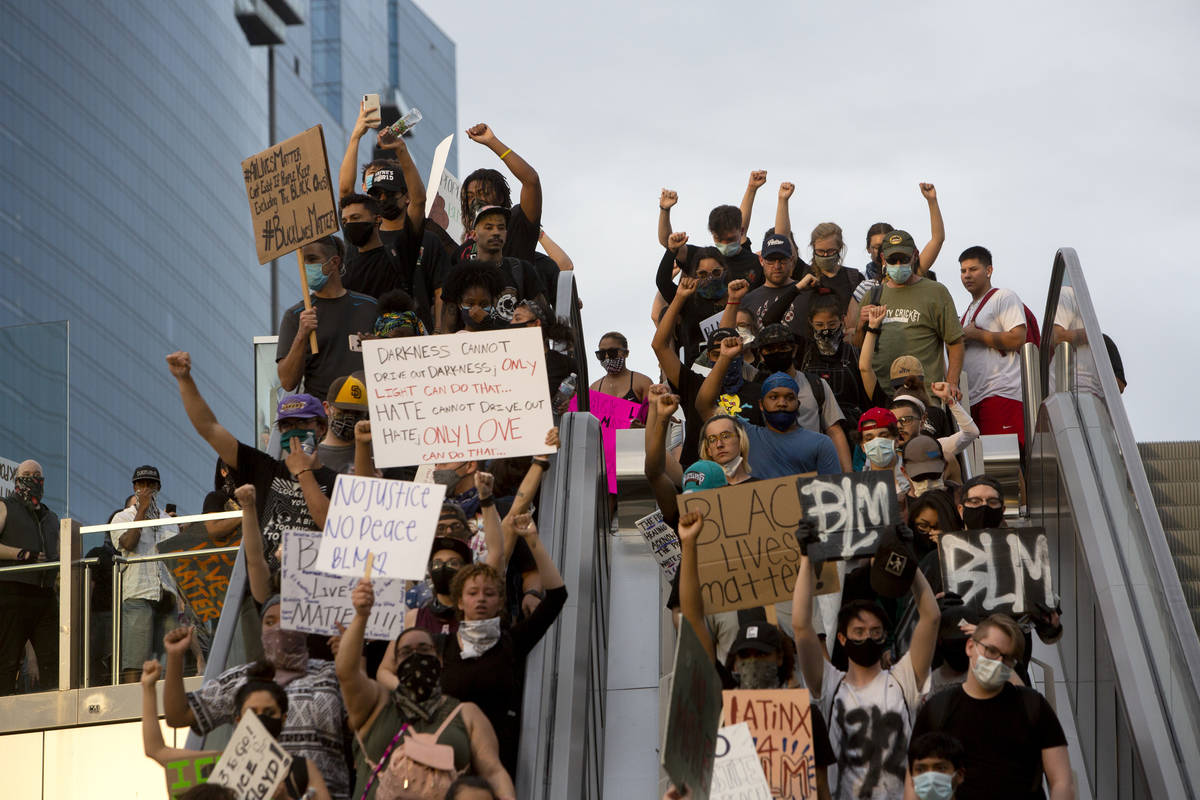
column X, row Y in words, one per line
column 737, row 773
column 8, row 471
column 458, row 397
column 664, row 543
column 707, row 326
column 314, row 602
column 747, row 550
column 186, row 773
column 253, row 764
column 202, row 580
column 850, row 510
column 615, row 414
column 998, row 569
column 780, row 720
column 394, row 521
column 690, row 741
column 290, row 194
column 442, row 199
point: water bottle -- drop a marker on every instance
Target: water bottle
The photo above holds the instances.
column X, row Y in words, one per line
column 405, row 123
column 566, row 390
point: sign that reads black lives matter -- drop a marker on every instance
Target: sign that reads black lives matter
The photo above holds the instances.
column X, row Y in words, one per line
column 290, row 194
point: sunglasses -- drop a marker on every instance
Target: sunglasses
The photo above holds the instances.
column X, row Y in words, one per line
column 612, row 352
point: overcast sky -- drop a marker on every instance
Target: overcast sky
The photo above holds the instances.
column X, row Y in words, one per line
column 1042, row 125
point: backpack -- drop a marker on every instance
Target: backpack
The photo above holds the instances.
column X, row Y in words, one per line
column 418, row 769
column 1033, row 334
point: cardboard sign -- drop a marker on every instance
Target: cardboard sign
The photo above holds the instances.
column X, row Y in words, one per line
column 747, row 550
column 998, row 569
column 314, row 602
column 186, row 773
column 738, row 774
column 291, row 195
column 442, row 202
column 394, row 521
column 457, row 397
column 689, row 746
column 780, row 720
column 253, row 763
column 615, row 414
column 850, row 510
column 709, row 325
column 8, row 471
column 663, row 541
column 203, row 580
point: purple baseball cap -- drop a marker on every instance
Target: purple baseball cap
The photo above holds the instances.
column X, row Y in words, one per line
column 300, row 406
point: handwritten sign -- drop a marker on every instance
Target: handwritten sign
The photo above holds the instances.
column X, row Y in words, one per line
column 615, row 414
column 393, row 520
column 187, row 772
column 202, row 580
column 737, row 773
column 457, row 397
column 663, row 541
column 850, row 511
column 998, row 569
column 747, row 550
column 707, row 326
column 442, row 202
column 313, row 602
column 690, row 741
column 253, row 764
column 290, row 194
column 8, row 471
column 780, row 720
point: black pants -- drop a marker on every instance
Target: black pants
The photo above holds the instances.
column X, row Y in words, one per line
column 28, row 614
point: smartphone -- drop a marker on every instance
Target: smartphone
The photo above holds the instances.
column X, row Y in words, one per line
column 170, row 508
column 370, row 104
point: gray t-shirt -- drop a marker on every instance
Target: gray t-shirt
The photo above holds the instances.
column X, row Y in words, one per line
column 337, row 320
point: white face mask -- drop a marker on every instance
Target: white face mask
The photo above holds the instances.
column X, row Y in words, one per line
column 920, row 487
column 990, row 673
column 732, row 466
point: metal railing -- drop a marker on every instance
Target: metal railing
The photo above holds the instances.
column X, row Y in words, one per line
column 566, row 304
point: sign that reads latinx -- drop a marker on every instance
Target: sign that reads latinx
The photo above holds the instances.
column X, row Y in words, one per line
column 290, row 194
column 690, row 741
column 780, row 720
column 252, row 764
column 393, row 520
column 314, row 602
column 457, row 397
column 746, row 549
column 998, row 569
column 850, row 511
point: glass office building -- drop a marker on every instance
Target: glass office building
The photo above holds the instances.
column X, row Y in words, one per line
column 124, row 216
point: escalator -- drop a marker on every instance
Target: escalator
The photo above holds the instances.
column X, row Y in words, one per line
column 1174, row 472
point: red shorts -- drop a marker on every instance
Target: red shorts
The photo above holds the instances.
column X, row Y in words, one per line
column 1000, row 415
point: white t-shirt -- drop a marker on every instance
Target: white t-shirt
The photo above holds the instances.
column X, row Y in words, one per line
column 991, row 373
column 869, row 729
column 1068, row 317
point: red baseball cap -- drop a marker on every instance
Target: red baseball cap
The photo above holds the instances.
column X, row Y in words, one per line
column 876, row 418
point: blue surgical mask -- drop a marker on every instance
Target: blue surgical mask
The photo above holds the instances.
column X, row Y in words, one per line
column 933, row 785
column 316, row 276
column 731, row 249
column 900, row 273
column 780, row 420
column 880, row 451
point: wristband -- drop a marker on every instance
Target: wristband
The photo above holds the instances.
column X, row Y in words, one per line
column 506, row 152
column 23, row 555
column 301, row 472
column 664, row 208
column 544, row 463
column 487, row 502
column 876, row 331
column 733, row 302
column 538, row 593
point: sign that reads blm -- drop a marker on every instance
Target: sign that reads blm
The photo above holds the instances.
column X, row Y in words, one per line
column 998, row 569
column 850, row 511
column 457, row 397
column 781, row 722
column 290, row 194
column 690, row 741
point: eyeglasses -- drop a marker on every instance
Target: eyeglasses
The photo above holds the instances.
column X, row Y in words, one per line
column 826, row 253
column 907, row 419
column 976, row 502
column 705, row 274
column 994, row 654
column 923, row 527
column 424, row 648
column 723, row 436
column 611, row 352
column 450, row 528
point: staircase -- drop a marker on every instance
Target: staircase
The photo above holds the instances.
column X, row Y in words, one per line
column 1173, row 469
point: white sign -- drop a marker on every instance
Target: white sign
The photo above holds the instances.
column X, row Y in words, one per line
column 314, row 602
column 737, row 772
column 457, row 397
column 393, row 520
column 253, row 764
column 8, row 471
column 663, row 541
column 711, row 324
column 442, row 202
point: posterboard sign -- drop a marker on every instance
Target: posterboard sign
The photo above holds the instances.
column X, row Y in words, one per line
column 851, row 511
column 186, row 773
column 663, row 541
column 253, row 763
column 393, row 520
column 202, row 580
column 707, row 326
column 290, row 194
column 615, row 414
column 458, row 397
column 998, row 569
column 442, row 203
column 747, row 550
column 780, row 720
column 314, row 602
column 738, row 774
column 689, row 746
column 8, row 474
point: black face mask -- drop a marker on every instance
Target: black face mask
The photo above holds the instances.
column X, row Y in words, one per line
column 954, row 655
column 982, row 517
column 777, row 362
column 418, row 676
column 359, row 233
column 388, row 207
column 274, row 725
column 865, row 653
column 442, row 576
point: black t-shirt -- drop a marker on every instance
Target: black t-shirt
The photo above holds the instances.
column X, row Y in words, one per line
column 770, row 303
column 744, row 264
column 840, row 371
column 520, row 281
column 695, row 310
column 1003, row 737
column 337, row 319
column 520, row 242
column 743, row 404
column 281, row 504
column 374, row 272
column 426, row 263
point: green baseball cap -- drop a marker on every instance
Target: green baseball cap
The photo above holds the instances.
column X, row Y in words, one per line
column 895, row 242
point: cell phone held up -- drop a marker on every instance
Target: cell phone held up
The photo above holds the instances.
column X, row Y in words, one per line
column 370, row 107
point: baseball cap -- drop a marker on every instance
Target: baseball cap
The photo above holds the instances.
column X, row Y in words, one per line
column 894, row 566
column 760, row 636
column 489, row 210
column 907, row 367
column 387, row 178
column 714, row 338
column 146, row 473
column 954, row 612
column 876, row 418
column 923, row 456
column 775, row 333
column 776, row 245
column 703, row 475
column 299, row 406
column 897, row 242
column 348, row 393
column 458, row 542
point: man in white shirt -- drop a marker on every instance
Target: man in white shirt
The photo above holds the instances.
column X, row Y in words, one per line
column 148, row 594
column 994, row 329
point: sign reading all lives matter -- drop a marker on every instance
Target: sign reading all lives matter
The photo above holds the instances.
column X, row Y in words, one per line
column 314, row 602
column 998, row 569
column 394, row 521
column 290, row 194
column 457, row 397
column 253, row 764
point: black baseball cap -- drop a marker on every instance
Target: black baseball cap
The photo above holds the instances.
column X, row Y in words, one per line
column 775, row 333
column 147, row 473
column 714, row 338
column 761, row 636
column 776, row 245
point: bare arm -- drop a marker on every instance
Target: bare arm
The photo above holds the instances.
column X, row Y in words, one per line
column 531, row 184
column 257, row 571
column 492, row 537
column 360, row 693
column 710, row 390
column 1006, row 340
column 290, row 368
column 415, row 213
column 666, row 201
column 152, row 738
column 875, row 316
column 221, row 528
column 838, row 435
column 659, row 409
column 364, row 463
column 757, row 178
column 808, row 646
column 555, row 252
column 924, row 638
column 485, row 752
column 1056, row 763
column 349, row 167
column 783, row 214
column 954, row 362
column 175, row 704
column 691, row 604
column 200, row 415
column 668, row 359
column 546, row 569
column 737, row 290
column 316, row 782
column 937, row 230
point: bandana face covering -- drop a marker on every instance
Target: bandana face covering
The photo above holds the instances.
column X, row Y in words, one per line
column 828, row 341
column 477, row 636
column 29, row 488
column 757, row 673
column 287, row 651
column 419, row 690
column 613, row 366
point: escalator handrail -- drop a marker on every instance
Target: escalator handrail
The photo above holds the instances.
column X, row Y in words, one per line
column 567, row 305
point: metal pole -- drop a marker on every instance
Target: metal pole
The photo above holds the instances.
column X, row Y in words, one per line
column 1031, row 388
column 1064, row 366
column 86, row 680
column 117, row 589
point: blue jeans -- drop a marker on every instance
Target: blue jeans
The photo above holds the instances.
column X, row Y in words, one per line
column 143, row 625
